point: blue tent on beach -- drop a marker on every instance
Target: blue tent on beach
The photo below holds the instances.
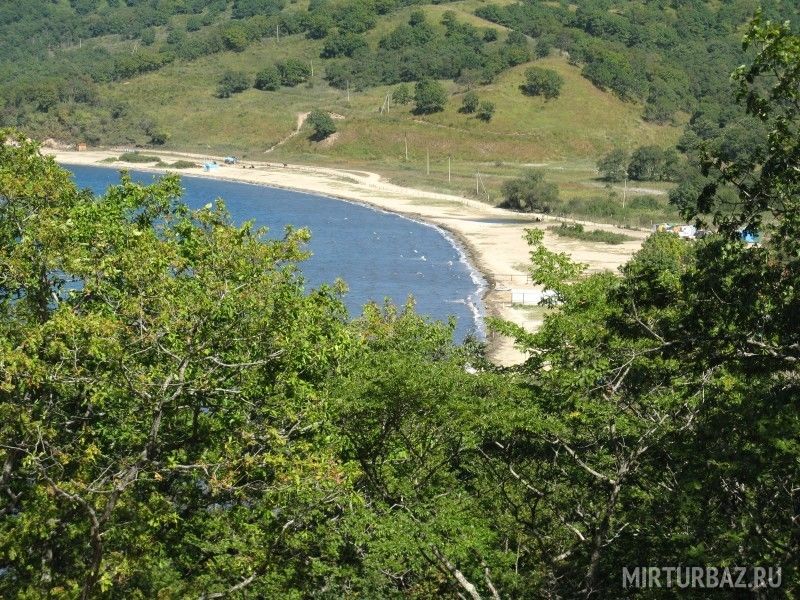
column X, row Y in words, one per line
column 749, row 237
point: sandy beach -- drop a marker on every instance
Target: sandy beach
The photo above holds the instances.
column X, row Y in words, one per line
column 493, row 238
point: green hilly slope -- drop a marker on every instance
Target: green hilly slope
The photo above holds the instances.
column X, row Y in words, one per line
column 147, row 72
column 583, row 122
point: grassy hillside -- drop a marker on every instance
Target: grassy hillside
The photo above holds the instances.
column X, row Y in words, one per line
column 583, row 122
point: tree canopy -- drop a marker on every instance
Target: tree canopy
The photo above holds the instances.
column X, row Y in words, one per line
column 233, row 82
column 542, row 82
column 322, row 124
column 530, row 193
column 429, row 97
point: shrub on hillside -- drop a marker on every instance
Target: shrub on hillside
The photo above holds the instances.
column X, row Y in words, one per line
column 429, row 97
column 293, row 72
column 148, row 36
column 322, row 124
column 515, row 51
column 542, row 82
column 268, row 79
column 158, row 137
column 234, row 37
column 614, row 165
column 318, row 25
column 343, row 44
column 485, row 111
column 249, row 8
column 232, row 82
column 543, row 47
column 611, row 70
column 194, row 23
column 469, row 103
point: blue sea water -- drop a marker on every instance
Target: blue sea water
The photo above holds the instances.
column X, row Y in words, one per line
column 378, row 254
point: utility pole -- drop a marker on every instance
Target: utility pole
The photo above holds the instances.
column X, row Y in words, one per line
column 479, row 179
column 348, row 91
column 312, row 67
column 405, row 138
column 277, row 32
column 625, row 190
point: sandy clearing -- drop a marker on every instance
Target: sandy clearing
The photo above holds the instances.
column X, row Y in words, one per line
column 493, row 238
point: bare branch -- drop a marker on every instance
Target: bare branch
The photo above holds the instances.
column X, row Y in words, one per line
column 457, row 575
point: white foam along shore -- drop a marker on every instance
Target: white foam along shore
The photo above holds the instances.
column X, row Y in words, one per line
column 490, row 239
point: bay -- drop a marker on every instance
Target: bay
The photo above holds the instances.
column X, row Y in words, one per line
column 378, row 254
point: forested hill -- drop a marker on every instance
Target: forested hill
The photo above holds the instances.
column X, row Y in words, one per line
column 63, row 62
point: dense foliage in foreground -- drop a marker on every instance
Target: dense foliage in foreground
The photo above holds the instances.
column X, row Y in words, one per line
column 179, row 418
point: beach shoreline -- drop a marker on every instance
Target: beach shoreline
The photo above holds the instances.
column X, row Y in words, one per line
column 491, row 239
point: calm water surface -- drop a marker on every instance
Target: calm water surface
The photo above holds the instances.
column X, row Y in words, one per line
column 379, row 255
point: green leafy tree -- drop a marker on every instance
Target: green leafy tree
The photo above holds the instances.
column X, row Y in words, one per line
column 416, row 18
column 614, row 165
column 615, row 71
column 648, row 368
column 293, row 72
column 661, row 105
column 249, row 8
column 194, row 23
column 543, row 48
column 176, row 36
column 485, row 111
column 469, row 103
column 234, row 37
column 429, row 97
column 344, row 44
column 542, row 82
column 148, row 36
column 530, row 193
column 355, row 16
column 268, row 79
column 515, row 50
column 322, row 124
column 158, row 365
column 232, row 82
column 319, row 25
column 647, row 163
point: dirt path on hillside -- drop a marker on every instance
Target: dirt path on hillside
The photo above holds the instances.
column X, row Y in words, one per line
column 301, row 118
